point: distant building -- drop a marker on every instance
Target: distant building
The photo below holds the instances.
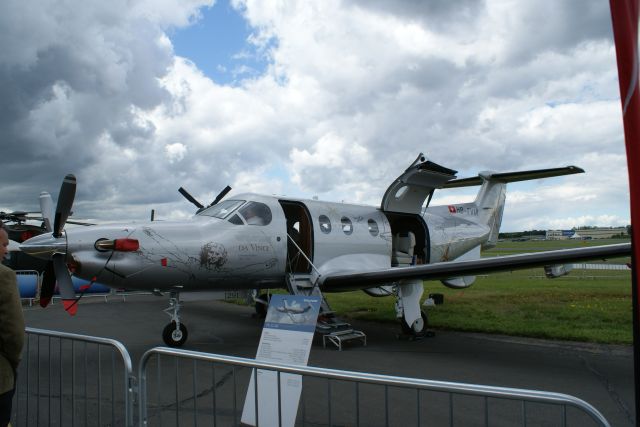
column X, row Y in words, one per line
column 601, row 232
column 559, row 234
column 586, row 233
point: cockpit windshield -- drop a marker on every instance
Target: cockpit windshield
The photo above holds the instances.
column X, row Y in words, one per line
column 222, row 209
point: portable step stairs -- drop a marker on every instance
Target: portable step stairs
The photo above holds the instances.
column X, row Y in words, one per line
column 329, row 326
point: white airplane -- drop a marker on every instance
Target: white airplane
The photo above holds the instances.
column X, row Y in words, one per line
column 292, row 309
column 255, row 242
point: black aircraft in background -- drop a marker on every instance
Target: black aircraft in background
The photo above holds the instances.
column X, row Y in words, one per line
column 18, row 230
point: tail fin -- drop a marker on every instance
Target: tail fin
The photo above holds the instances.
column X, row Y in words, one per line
column 491, row 197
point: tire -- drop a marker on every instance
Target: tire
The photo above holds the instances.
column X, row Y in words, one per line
column 173, row 337
column 408, row 330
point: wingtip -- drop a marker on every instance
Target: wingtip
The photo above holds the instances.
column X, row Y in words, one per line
column 44, row 302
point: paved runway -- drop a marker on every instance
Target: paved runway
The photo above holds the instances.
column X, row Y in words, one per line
column 600, row 374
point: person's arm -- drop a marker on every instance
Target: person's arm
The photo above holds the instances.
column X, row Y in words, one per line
column 11, row 317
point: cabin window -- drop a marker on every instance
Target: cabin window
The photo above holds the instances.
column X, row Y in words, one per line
column 256, row 213
column 222, row 209
column 236, row 220
column 401, row 192
column 347, row 225
column 373, row 227
column 325, row 224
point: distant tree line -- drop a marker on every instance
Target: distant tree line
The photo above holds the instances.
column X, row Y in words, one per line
column 537, row 234
column 534, row 234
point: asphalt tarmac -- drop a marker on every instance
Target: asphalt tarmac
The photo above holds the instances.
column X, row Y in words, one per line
column 602, row 375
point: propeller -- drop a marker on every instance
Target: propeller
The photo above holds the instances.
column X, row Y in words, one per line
column 65, row 202
column 46, row 208
column 56, row 268
column 199, row 205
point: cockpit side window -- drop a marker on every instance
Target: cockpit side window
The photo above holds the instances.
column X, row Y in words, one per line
column 256, row 213
column 235, row 219
column 222, row 209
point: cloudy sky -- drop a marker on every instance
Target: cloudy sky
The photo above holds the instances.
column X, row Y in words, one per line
column 329, row 98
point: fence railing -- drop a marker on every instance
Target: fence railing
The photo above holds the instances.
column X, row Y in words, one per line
column 194, row 388
column 69, row 379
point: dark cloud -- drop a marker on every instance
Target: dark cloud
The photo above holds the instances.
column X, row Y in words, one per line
column 80, row 76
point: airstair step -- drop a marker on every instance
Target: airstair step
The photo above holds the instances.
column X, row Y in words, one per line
column 304, row 284
column 338, row 338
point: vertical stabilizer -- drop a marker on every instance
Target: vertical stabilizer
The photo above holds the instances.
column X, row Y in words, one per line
column 490, row 202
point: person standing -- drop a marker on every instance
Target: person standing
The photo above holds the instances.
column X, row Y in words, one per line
column 11, row 332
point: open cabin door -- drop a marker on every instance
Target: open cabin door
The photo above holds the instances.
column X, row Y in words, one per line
column 409, row 191
column 299, row 237
column 402, row 204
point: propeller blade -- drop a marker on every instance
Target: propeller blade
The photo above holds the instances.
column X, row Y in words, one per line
column 190, row 198
column 46, row 208
column 65, row 285
column 48, row 284
column 221, row 195
column 65, row 202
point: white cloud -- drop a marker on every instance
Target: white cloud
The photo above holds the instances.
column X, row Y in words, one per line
column 175, row 152
column 352, row 93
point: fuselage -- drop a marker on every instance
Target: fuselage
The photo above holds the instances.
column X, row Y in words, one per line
column 252, row 241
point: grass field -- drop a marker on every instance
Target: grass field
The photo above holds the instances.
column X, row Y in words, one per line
column 586, row 305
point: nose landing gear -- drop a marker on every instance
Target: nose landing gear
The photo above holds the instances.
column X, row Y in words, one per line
column 175, row 333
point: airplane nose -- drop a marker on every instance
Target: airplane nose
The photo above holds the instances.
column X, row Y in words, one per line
column 45, row 246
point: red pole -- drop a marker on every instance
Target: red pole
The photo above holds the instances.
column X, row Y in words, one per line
column 624, row 14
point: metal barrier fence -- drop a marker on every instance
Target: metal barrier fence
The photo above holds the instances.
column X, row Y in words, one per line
column 193, row 388
column 602, row 266
column 94, row 386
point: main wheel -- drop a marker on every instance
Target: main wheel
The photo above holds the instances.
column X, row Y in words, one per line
column 419, row 327
column 174, row 337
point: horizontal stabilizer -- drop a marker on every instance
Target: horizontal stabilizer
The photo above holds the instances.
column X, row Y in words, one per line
column 513, row 176
column 340, row 282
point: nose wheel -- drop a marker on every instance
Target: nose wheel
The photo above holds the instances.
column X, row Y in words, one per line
column 175, row 333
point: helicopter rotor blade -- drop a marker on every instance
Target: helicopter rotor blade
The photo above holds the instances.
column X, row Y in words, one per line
column 190, row 198
column 221, row 195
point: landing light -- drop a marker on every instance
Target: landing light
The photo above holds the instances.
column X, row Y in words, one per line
column 121, row 245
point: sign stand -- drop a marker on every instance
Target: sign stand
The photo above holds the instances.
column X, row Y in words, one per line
column 286, row 338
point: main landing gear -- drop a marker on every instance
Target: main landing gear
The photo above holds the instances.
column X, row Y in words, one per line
column 262, row 305
column 413, row 321
column 175, row 333
column 419, row 327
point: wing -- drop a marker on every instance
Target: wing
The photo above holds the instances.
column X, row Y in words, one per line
column 340, row 282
